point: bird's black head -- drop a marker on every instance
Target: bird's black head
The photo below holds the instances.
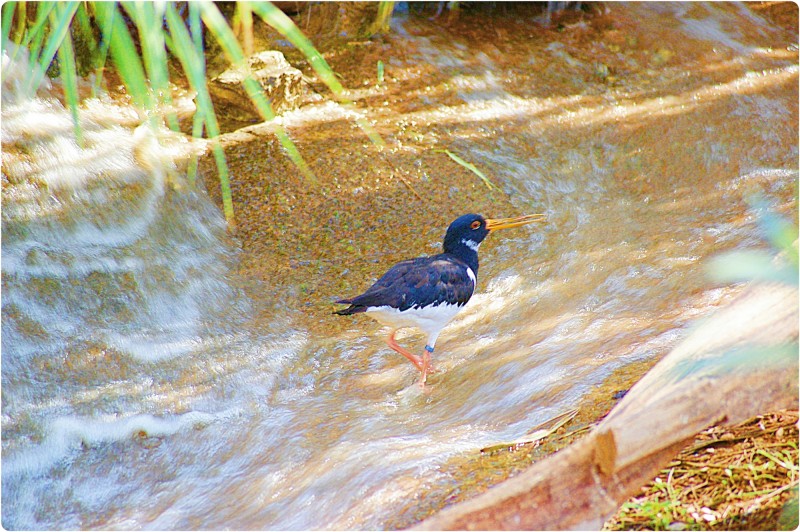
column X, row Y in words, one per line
column 465, row 231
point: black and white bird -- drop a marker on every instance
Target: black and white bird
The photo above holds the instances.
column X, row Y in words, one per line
column 427, row 292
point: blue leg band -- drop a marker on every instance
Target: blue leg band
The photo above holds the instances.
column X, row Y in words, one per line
column 429, row 349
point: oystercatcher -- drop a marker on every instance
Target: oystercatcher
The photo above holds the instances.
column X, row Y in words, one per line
column 427, row 292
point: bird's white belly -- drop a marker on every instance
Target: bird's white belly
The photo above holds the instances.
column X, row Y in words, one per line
column 428, row 319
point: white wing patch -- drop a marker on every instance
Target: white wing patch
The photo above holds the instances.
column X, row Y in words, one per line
column 471, row 275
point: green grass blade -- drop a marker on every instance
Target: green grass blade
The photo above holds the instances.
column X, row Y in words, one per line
column 8, row 18
column 69, row 75
column 198, row 120
column 84, row 31
column 284, row 25
column 193, row 62
column 244, row 14
column 196, row 26
column 123, row 52
column 22, row 21
column 381, row 22
column 106, row 31
column 37, row 29
column 60, row 21
column 216, row 24
column 148, row 17
column 469, row 166
column 224, row 179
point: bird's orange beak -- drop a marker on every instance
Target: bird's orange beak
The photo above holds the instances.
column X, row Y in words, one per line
column 505, row 223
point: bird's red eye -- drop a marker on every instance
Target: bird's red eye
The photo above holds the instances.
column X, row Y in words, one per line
column 476, row 224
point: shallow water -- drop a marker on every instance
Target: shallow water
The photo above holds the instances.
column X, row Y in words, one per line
column 136, row 351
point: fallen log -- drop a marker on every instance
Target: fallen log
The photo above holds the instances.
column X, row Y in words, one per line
column 740, row 362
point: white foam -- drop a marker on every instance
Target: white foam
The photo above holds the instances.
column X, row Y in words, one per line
column 66, row 434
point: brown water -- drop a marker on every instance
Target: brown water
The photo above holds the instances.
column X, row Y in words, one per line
column 211, row 388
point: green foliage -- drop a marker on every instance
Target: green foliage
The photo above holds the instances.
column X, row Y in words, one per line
column 780, row 265
column 138, row 37
column 69, row 73
column 381, row 22
column 224, row 35
column 380, row 72
column 469, row 166
column 790, row 515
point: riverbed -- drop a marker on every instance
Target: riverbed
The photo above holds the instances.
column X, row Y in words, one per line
column 201, row 374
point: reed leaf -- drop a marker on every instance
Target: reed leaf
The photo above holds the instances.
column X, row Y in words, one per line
column 60, row 21
column 84, row 28
column 216, row 24
column 196, row 26
column 102, row 52
column 32, row 37
column 382, row 19
column 244, row 16
column 123, row 52
column 278, row 20
column 7, row 14
column 148, row 17
column 22, row 21
column 193, row 63
column 469, row 166
column 198, row 120
column 69, row 74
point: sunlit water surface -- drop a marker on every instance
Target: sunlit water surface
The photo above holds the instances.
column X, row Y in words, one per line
column 137, row 392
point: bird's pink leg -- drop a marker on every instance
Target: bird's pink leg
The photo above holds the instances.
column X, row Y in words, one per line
column 426, row 367
column 417, row 361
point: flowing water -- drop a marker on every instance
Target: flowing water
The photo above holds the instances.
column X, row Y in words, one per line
column 140, row 390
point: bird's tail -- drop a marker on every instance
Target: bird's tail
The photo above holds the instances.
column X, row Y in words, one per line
column 352, row 309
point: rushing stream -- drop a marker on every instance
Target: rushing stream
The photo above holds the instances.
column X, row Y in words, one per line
column 139, row 390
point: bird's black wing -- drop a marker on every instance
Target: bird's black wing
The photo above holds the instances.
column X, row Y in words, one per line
column 417, row 282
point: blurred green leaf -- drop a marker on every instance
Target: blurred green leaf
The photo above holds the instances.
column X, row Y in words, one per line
column 743, row 359
column 6, row 18
column 190, row 57
column 742, row 266
column 469, row 166
column 69, row 73
column 149, row 17
column 752, row 265
column 123, row 52
column 60, row 20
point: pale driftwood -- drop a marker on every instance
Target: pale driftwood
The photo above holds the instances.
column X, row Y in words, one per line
column 706, row 380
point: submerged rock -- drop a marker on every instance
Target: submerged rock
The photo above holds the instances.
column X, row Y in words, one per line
column 282, row 83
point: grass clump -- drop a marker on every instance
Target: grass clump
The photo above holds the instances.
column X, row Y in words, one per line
column 147, row 43
column 730, row 478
